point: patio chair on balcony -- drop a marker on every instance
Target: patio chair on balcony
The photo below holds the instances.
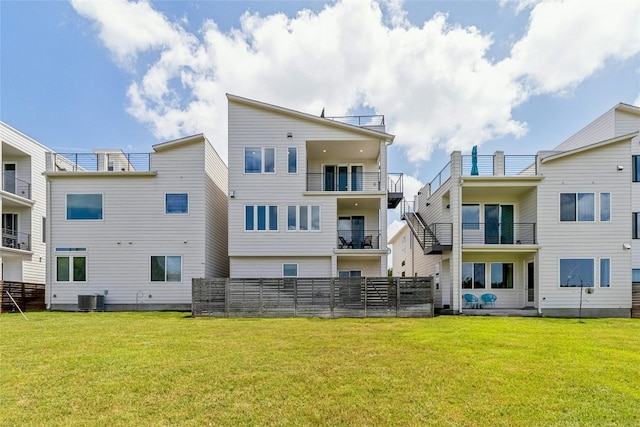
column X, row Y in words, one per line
column 470, row 301
column 367, row 242
column 489, row 300
column 344, row 243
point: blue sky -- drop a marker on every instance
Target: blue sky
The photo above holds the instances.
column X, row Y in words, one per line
column 517, row 76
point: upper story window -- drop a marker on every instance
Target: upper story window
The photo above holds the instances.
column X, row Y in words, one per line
column 176, row 203
column 84, row 207
column 635, row 166
column 261, row 218
column 577, row 207
column 635, row 225
column 605, row 207
column 605, row 272
column 635, row 275
column 259, row 160
column 470, row 217
column 303, row 218
column 292, row 160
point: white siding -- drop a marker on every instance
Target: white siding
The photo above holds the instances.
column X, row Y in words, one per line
column 217, row 214
column 600, row 129
column 251, row 267
column 591, row 171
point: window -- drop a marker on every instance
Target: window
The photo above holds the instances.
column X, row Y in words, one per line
column 605, row 272
column 635, row 163
column 292, row 160
column 44, row 230
column 501, row 275
column 635, row 275
column 577, row 207
column 290, row 270
column 259, row 160
column 605, row 207
column 576, row 272
column 303, row 218
column 473, row 275
column 176, row 203
column 470, row 217
column 166, row 268
column 350, row 273
column 71, row 269
column 84, row 206
column 635, row 225
column 261, row 218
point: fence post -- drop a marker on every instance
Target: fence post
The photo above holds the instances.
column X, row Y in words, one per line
column 397, row 280
column 366, row 291
column 332, row 290
column 260, row 284
column 295, row 298
column 227, row 284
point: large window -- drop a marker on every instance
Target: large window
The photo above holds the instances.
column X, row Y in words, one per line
column 292, row 160
column 176, row 203
column 577, row 207
column 303, row 218
column 605, row 272
column 261, row 218
column 259, row 160
column 290, row 270
column 635, row 160
column 501, row 275
column 605, row 207
column 84, row 206
column 71, row 268
column 166, row 268
column 473, row 275
column 635, row 225
column 470, row 217
column 576, row 272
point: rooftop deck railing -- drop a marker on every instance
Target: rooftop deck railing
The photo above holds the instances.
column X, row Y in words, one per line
column 102, row 162
column 372, row 120
column 16, row 186
column 513, row 165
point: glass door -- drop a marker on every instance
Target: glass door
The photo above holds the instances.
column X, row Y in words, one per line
column 329, row 178
column 9, row 178
column 356, row 178
column 530, row 284
column 491, row 224
column 506, row 224
column 343, row 178
column 357, row 231
column 10, row 230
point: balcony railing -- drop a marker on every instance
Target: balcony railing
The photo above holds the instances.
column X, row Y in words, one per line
column 363, row 181
column 440, row 179
column 498, row 233
column 15, row 240
column 492, row 165
column 373, row 120
column 358, row 239
column 102, row 162
column 16, row 186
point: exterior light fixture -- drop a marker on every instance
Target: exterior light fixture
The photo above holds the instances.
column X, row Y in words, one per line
column 626, row 246
column 289, row 135
column 620, row 167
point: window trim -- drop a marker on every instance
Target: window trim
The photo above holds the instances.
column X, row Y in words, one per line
column 600, row 201
column 600, row 285
column 262, row 150
column 176, row 194
column 66, row 207
column 577, row 207
column 513, row 273
column 473, row 278
column 166, row 270
column 297, row 218
column 593, row 272
column 285, row 264
column 71, row 274
column 289, row 160
column 267, row 218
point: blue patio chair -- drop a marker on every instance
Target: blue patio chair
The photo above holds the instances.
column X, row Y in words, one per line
column 489, row 300
column 470, row 301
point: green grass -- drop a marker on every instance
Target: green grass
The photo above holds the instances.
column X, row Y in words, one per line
column 169, row 369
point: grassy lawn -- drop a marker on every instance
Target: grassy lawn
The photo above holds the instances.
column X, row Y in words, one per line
column 169, row 369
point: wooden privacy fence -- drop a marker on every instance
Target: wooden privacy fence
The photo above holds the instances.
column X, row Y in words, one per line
column 313, row 297
column 29, row 296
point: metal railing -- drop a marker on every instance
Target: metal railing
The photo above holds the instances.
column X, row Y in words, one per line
column 102, row 162
column 372, row 120
column 363, row 181
column 15, row 240
column 514, row 165
column 395, row 182
column 358, row 239
column 16, row 186
column 440, row 179
column 499, row 233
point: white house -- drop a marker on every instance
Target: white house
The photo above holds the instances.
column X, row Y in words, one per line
column 308, row 195
column 23, row 206
column 136, row 228
column 535, row 231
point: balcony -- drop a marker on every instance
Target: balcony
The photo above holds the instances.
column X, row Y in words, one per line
column 358, row 239
column 357, row 182
column 15, row 240
column 498, row 233
column 16, row 186
column 500, row 165
column 102, row 162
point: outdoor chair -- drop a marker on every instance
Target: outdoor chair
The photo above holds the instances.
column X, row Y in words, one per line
column 367, row 242
column 344, row 243
column 470, row 301
column 489, row 300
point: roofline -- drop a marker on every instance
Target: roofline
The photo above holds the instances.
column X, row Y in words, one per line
column 627, row 108
column 12, row 129
column 590, row 147
column 180, row 141
column 321, row 120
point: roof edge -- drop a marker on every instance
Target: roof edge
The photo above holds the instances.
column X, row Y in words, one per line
column 590, row 147
column 180, row 141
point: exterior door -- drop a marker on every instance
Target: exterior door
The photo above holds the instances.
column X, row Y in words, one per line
column 10, row 230
column 491, row 224
column 329, row 178
column 356, row 178
column 9, row 178
column 506, row 224
column 357, row 231
column 343, row 181
column 531, row 290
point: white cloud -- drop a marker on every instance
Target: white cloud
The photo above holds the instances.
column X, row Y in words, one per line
column 434, row 82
